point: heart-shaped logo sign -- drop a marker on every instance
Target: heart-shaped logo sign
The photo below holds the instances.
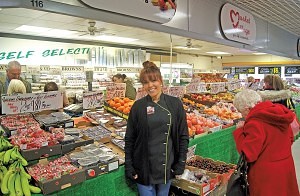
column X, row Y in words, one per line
column 234, row 16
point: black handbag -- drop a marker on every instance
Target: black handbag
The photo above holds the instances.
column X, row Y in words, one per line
column 238, row 182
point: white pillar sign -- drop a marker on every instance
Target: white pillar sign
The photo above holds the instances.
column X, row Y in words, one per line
column 31, row 102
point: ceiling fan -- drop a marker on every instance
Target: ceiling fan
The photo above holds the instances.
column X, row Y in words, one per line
column 188, row 46
column 93, row 30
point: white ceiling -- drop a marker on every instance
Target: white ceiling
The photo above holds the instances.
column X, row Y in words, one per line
column 274, row 10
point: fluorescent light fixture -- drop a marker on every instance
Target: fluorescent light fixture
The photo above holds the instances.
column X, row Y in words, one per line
column 59, row 32
column 186, row 48
column 32, row 29
column 259, row 53
column 109, row 38
column 217, row 52
column 231, row 31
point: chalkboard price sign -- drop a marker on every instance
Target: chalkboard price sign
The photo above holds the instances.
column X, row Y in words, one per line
column 292, row 70
column 269, row 70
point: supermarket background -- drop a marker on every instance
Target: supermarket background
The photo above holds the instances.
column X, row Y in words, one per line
column 74, row 42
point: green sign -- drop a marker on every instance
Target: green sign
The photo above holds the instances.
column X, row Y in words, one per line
column 46, row 53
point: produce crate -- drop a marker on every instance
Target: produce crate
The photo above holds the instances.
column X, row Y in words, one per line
column 224, row 176
column 196, row 188
column 114, row 111
column 45, row 151
column 65, row 181
column 101, row 168
column 70, row 147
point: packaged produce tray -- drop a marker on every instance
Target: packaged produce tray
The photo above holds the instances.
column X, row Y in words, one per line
column 114, row 111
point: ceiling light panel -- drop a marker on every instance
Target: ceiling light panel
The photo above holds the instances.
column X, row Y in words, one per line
column 282, row 13
column 32, row 29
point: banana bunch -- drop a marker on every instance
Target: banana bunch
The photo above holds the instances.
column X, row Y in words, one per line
column 4, row 144
column 15, row 181
column 12, row 155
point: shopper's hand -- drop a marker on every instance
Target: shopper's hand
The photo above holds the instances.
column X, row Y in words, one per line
column 135, row 176
column 240, row 124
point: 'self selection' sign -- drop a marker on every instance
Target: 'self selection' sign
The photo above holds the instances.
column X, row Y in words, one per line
column 31, row 102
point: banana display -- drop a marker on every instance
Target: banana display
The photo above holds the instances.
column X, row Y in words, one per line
column 14, row 180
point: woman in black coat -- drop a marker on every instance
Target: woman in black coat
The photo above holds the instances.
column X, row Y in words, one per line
column 156, row 139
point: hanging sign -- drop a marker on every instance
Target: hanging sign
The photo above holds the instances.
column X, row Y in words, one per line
column 128, row 69
column 92, row 99
column 100, row 69
column 157, row 11
column 140, row 93
column 291, row 70
column 177, row 91
column 33, row 69
column 269, row 70
column 245, row 70
column 115, row 90
column 237, row 24
column 31, row 102
column 73, row 69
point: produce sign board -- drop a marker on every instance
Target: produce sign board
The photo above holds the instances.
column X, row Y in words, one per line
column 245, row 70
column 92, row 99
column 140, row 93
column 292, row 70
column 269, row 70
column 31, row 102
column 176, row 91
column 196, row 88
column 115, row 90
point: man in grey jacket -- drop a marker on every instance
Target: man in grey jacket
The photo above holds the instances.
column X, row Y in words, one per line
column 13, row 71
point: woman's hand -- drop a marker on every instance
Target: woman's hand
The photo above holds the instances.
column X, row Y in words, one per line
column 240, row 124
column 135, row 176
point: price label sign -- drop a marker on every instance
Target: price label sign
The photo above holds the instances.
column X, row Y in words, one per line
column 245, row 70
column 231, row 86
column 292, row 70
column 269, row 70
column 92, row 99
column 33, row 69
column 115, row 90
column 222, row 87
column 202, row 87
column 31, row 102
column 140, row 93
column 55, row 70
column 192, row 88
column 177, row 91
column 214, row 88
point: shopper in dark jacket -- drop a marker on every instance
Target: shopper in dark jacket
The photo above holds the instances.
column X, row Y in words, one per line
column 156, row 138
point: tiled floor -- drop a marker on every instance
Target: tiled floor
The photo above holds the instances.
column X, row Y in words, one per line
column 296, row 155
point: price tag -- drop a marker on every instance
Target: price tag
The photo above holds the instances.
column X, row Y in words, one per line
column 140, row 93
column 231, row 86
column 115, row 90
column 92, row 99
column 33, row 69
column 45, row 144
column 177, row 91
column 31, row 102
column 192, row 88
column 202, row 87
column 55, row 70
column 222, row 87
column 165, row 90
column 214, row 88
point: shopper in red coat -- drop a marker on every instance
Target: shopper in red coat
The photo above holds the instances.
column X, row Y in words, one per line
column 266, row 138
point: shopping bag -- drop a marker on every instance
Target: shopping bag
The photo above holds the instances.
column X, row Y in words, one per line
column 295, row 126
column 238, row 182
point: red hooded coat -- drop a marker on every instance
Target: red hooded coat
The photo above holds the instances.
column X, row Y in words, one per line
column 266, row 140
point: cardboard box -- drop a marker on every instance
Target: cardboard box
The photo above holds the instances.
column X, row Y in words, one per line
column 225, row 176
column 196, row 188
column 101, row 168
column 114, row 111
column 65, row 181
column 45, row 151
column 65, row 124
column 70, row 147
